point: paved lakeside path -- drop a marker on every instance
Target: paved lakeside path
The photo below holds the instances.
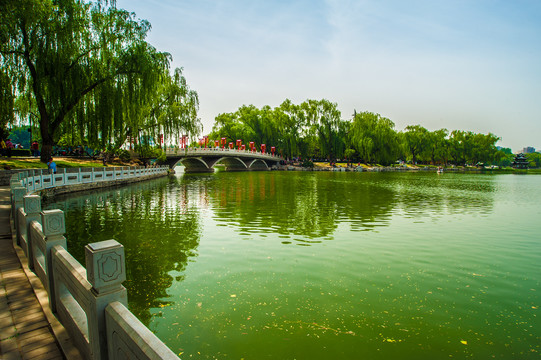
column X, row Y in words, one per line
column 28, row 329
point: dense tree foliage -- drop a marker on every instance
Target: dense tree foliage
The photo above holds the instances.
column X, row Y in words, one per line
column 534, row 159
column 374, row 138
column 84, row 70
column 415, row 141
column 314, row 129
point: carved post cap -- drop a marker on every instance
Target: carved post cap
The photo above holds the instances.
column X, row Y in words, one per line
column 105, row 265
column 13, row 183
column 18, row 193
column 52, row 222
column 32, row 204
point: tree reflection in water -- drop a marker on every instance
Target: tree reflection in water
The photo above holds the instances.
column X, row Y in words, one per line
column 310, row 205
column 160, row 233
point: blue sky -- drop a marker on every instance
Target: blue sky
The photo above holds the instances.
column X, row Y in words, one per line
column 469, row 65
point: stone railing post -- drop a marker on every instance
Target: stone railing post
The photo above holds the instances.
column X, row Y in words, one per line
column 53, row 227
column 18, row 192
column 32, row 208
column 13, row 183
column 105, row 270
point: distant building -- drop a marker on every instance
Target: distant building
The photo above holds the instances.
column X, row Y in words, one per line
column 528, row 150
column 520, row 162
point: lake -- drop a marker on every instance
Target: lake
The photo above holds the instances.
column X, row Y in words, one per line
column 326, row 265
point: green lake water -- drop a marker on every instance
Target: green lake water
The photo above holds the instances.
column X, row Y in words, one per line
column 325, row 265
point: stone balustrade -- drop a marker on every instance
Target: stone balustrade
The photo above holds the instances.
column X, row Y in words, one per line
column 35, row 180
column 195, row 151
column 90, row 302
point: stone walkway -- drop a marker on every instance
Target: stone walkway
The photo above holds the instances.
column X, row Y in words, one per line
column 28, row 330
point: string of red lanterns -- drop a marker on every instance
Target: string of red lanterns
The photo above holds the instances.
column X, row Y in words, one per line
column 203, row 142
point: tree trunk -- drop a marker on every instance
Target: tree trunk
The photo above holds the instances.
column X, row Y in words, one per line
column 47, row 142
column 46, row 151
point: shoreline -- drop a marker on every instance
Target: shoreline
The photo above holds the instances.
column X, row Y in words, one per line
column 366, row 168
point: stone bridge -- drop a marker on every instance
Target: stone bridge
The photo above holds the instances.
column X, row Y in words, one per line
column 201, row 160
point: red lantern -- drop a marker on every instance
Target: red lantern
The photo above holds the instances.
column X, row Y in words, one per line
column 216, row 143
column 223, row 142
column 231, row 145
column 184, row 140
column 239, row 142
column 206, row 140
column 273, row 149
column 263, row 148
column 251, row 146
column 243, row 147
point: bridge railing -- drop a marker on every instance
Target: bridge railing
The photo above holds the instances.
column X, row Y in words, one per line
column 90, row 302
column 216, row 150
column 35, row 180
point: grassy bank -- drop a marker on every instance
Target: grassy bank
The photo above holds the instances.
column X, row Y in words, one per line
column 61, row 162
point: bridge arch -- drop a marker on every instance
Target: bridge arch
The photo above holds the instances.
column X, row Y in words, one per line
column 233, row 164
column 203, row 160
column 258, row 164
column 194, row 164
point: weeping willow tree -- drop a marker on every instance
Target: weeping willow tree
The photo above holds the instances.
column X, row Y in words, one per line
column 6, row 102
column 172, row 111
column 91, row 72
column 374, row 138
column 324, row 122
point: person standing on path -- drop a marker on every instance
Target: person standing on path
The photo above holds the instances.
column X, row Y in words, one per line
column 9, row 146
column 35, row 149
column 51, row 165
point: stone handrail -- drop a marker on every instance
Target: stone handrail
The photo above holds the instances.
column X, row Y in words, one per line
column 196, row 151
column 35, row 180
column 90, row 302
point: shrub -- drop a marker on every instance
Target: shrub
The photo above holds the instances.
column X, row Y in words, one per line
column 124, row 155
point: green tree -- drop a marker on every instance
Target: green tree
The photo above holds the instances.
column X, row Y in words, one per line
column 457, row 147
column 469, row 147
column 438, row 146
column 323, row 118
column 415, row 141
column 291, row 127
column 87, row 67
column 348, row 154
column 172, row 110
column 535, row 159
column 7, row 99
column 21, row 135
column 483, row 148
column 374, row 138
column 228, row 125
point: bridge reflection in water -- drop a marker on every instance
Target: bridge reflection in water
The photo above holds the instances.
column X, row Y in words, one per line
column 202, row 160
